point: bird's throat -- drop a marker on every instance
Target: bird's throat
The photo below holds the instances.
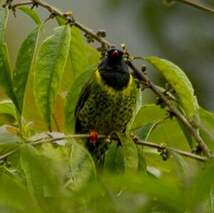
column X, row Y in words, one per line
column 115, row 80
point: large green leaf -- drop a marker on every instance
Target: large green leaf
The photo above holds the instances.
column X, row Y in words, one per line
column 32, row 13
column 73, row 97
column 130, row 152
column 170, row 133
column 49, row 68
column 5, row 70
column 179, row 82
column 13, row 195
column 148, row 114
column 24, row 64
column 7, row 112
column 82, row 167
column 81, row 53
column 201, row 187
column 155, row 194
column 41, row 179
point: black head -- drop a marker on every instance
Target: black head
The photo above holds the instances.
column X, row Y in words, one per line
column 113, row 70
column 114, row 56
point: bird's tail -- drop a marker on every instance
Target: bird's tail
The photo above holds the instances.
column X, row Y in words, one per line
column 98, row 150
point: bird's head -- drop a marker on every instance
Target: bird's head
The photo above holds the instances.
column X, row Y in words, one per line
column 114, row 56
column 113, row 69
column 113, row 61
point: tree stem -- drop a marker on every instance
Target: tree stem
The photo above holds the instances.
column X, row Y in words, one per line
column 178, row 151
column 197, row 5
column 50, row 139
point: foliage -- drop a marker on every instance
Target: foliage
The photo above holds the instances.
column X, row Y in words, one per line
column 42, row 171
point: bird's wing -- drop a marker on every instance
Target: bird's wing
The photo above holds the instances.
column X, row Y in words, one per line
column 82, row 99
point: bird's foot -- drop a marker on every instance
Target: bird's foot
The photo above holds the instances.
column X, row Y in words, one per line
column 93, row 136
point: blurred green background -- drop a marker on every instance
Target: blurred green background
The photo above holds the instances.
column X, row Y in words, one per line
column 180, row 33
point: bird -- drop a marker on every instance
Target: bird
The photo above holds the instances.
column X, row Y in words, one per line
column 107, row 102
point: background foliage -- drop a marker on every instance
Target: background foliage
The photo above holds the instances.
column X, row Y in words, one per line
column 43, row 171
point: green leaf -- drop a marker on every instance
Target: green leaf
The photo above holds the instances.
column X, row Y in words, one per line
column 182, row 166
column 149, row 113
column 32, row 13
column 142, row 186
column 82, row 55
column 8, row 141
column 179, row 82
column 187, row 134
column 207, row 126
column 145, row 131
column 60, row 21
column 42, row 181
column 13, row 195
column 59, row 154
column 49, row 69
column 170, row 133
column 82, row 167
column 73, row 97
column 114, row 159
column 7, row 112
column 23, row 66
column 5, row 71
column 130, row 152
column 147, row 119
column 211, row 198
column 201, row 187
column 141, row 160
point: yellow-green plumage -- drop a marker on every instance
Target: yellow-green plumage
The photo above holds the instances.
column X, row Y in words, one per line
column 107, row 110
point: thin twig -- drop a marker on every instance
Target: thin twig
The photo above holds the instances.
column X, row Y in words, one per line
column 50, row 139
column 197, row 5
column 8, row 153
column 24, row 3
column 161, row 147
column 68, row 17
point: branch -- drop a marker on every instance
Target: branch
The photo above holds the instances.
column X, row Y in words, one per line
column 50, row 139
column 68, row 17
column 161, row 147
column 197, row 5
column 8, row 154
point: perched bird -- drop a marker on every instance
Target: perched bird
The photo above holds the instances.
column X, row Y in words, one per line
column 107, row 102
